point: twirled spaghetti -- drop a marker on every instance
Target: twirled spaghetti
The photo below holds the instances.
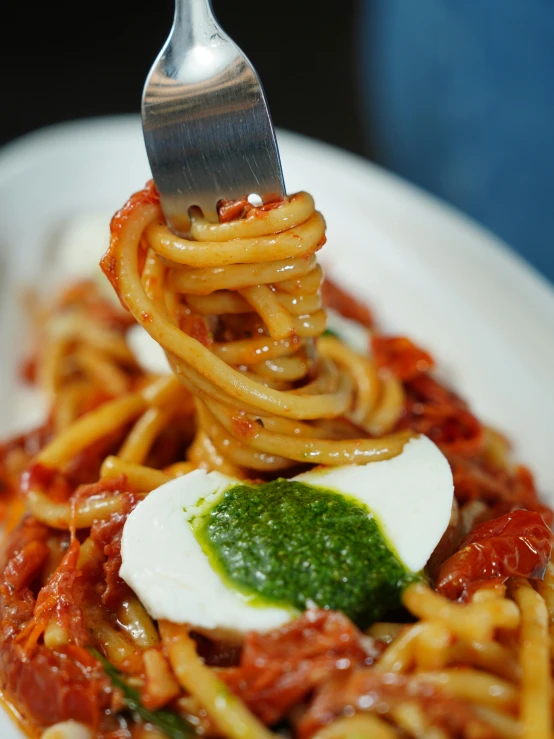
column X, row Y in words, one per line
column 259, row 389
column 237, row 310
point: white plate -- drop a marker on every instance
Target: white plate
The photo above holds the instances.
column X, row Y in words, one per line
column 427, row 271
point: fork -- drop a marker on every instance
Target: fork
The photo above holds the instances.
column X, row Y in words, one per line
column 206, row 123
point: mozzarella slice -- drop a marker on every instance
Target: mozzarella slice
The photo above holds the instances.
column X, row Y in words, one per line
column 148, row 353
column 82, row 242
column 162, row 561
column 166, row 567
column 411, row 495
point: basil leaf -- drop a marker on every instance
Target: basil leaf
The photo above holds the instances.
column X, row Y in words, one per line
column 170, row 723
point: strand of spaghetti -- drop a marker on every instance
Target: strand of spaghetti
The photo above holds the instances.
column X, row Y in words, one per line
column 362, row 369
column 139, row 440
column 410, row 717
column 505, row 726
column 474, row 622
column 288, row 369
column 117, row 646
column 221, row 301
column 385, row 631
column 201, row 387
column 379, row 401
column 138, row 625
column 290, row 213
column 320, row 451
column 48, row 372
column 160, row 686
column 102, row 370
column 200, row 358
column 536, row 682
column 138, row 476
column 202, row 453
column 152, row 280
column 240, row 454
column 546, row 589
column 328, row 379
column 56, row 632
column 278, row 425
column 87, row 429
column 299, row 305
column 229, row 714
column 360, row 726
column 236, row 276
column 55, row 635
column 278, row 320
column 109, row 342
column 306, row 285
column 390, row 406
column 473, row 685
column 177, row 469
column 431, row 646
column 59, row 515
column 491, row 656
column 298, row 242
column 67, row 404
column 162, row 390
column 309, row 326
column 398, row 657
column 77, row 325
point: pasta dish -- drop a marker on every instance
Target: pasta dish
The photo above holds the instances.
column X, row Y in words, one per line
column 281, row 526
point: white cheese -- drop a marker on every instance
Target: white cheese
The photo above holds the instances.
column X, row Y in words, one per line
column 81, row 245
column 67, row 730
column 164, row 564
column 411, row 496
column 148, row 353
column 162, row 561
column 356, row 336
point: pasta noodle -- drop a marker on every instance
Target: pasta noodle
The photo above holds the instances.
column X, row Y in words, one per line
column 252, row 400
column 259, row 389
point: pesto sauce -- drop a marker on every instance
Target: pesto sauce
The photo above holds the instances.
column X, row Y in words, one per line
column 292, row 545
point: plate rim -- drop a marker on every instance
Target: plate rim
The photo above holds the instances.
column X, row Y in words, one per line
column 16, row 154
column 19, row 153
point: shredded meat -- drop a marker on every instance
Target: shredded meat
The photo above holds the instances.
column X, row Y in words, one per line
column 367, row 689
column 280, row 668
column 348, row 306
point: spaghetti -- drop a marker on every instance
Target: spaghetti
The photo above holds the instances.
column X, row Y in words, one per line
column 258, row 389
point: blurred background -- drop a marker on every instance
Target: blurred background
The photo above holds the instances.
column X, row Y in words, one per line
column 456, row 97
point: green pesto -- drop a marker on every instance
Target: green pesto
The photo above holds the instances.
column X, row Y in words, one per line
column 288, row 544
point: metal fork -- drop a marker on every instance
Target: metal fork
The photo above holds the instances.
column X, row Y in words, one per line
column 206, row 123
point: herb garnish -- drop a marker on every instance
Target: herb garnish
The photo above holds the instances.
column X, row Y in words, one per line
column 170, row 723
column 288, row 544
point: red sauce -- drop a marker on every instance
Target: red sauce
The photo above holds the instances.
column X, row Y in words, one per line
column 278, row 669
column 401, row 356
column 234, row 210
column 380, row 692
column 345, row 304
column 148, row 196
column 243, row 428
column 196, row 326
column 440, row 414
column 46, row 685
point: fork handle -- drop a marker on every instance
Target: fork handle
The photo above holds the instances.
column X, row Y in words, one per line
column 194, row 22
